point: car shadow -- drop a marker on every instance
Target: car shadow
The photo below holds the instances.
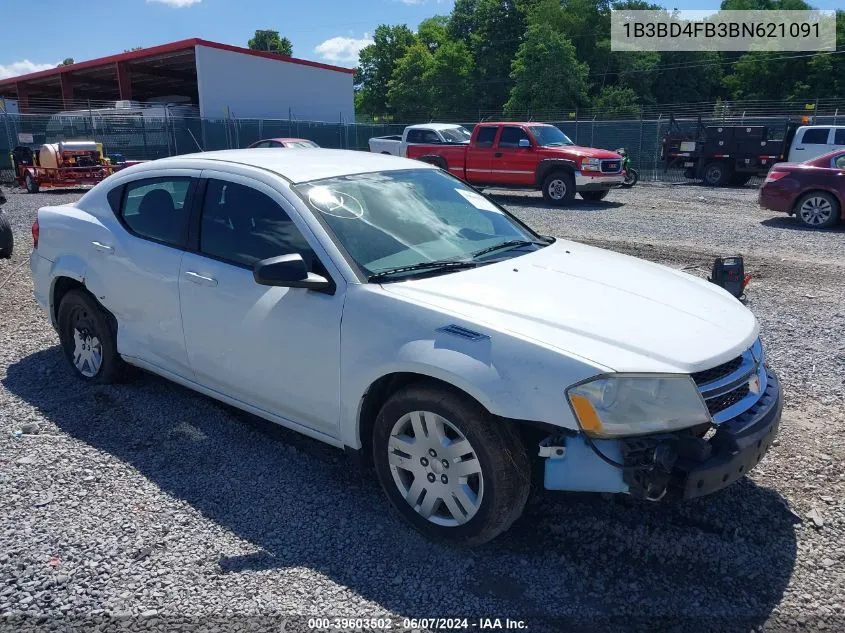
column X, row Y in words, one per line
column 572, row 562
column 789, row 222
column 538, row 202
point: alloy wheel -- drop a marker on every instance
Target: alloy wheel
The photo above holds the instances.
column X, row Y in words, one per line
column 816, row 211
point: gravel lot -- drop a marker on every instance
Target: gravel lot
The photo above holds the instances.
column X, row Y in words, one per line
column 147, row 506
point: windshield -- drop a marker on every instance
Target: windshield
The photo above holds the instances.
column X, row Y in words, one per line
column 395, row 219
column 456, row 135
column 549, row 136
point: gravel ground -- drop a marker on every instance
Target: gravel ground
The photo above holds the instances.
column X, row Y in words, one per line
column 147, row 506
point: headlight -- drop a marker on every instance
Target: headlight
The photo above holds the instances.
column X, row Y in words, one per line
column 621, row 405
column 591, row 164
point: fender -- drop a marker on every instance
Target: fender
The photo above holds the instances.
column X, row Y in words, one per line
column 548, row 164
column 434, row 159
column 71, row 266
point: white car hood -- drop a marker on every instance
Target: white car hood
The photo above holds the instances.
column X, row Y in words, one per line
column 619, row 312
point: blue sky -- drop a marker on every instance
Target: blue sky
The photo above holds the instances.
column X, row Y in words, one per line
column 324, row 30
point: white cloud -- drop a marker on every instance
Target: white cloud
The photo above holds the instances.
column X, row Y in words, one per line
column 176, row 4
column 23, row 68
column 343, row 49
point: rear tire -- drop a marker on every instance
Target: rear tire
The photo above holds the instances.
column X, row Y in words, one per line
column 559, row 188
column 32, row 185
column 89, row 340
column 631, row 179
column 7, row 238
column 817, row 210
column 594, row 196
column 716, row 174
column 448, row 467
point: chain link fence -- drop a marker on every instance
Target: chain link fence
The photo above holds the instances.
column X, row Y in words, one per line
column 143, row 137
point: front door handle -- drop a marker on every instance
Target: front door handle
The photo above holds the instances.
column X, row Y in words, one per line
column 202, row 280
column 799, row 147
column 497, row 155
column 103, row 248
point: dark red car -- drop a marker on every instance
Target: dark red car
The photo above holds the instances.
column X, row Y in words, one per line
column 812, row 191
column 284, row 142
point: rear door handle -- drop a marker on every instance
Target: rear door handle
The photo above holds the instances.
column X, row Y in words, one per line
column 202, row 280
column 799, row 147
column 103, row 248
column 497, row 155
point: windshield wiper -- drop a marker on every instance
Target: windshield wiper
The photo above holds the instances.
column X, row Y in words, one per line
column 508, row 244
column 433, row 266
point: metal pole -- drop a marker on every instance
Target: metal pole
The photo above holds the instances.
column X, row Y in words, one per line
column 640, row 145
column 657, row 140
column 835, row 114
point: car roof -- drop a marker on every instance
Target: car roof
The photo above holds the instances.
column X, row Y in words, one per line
column 434, row 126
column 302, row 165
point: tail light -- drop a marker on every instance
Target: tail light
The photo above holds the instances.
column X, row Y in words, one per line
column 35, row 232
column 775, row 175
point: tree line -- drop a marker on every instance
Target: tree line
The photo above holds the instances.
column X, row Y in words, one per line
column 544, row 57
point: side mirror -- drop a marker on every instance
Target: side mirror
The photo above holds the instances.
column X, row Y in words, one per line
column 524, row 143
column 289, row 271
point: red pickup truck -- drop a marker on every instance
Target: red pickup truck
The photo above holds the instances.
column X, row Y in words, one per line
column 527, row 156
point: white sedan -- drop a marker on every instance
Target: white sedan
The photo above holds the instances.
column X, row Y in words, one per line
column 381, row 305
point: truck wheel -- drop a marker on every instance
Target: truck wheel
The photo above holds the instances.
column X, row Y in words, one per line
column 449, row 468
column 716, row 174
column 7, row 238
column 88, row 339
column 594, row 196
column 32, row 185
column 817, row 210
column 559, row 188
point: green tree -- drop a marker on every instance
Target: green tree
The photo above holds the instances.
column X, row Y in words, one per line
column 376, row 64
column 270, row 42
column 432, row 31
column 449, row 81
column 67, row 62
column 546, row 73
column 407, row 95
column 617, row 102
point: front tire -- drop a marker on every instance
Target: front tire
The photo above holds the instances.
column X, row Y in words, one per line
column 817, row 210
column 448, row 467
column 559, row 188
column 594, row 196
column 32, row 185
column 88, row 339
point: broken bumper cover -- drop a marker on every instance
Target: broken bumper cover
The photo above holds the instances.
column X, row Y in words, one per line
column 738, row 445
column 681, row 464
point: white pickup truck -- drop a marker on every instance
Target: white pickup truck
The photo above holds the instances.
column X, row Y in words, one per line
column 424, row 134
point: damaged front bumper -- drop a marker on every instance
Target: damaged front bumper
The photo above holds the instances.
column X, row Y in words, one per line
column 686, row 464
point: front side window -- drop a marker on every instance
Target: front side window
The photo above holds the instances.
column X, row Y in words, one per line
column 549, row 136
column 242, row 226
column 157, row 208
column 816, row 136
column 839, row 161
column 839, row 137
column 511, row 136
column 387, row 220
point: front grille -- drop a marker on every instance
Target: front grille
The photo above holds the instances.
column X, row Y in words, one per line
column 715, row 373
column 720, row 403
column 611, row 166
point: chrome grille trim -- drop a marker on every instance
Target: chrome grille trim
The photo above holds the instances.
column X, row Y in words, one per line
column 611, row 171
column 752, row 364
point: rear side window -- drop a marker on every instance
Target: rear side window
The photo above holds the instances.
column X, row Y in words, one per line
column 242, row 226
column 816, row 136
column 511, row 136
column 415, row 136
column 839, row 138
column 158, row 208
column 485, row 137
